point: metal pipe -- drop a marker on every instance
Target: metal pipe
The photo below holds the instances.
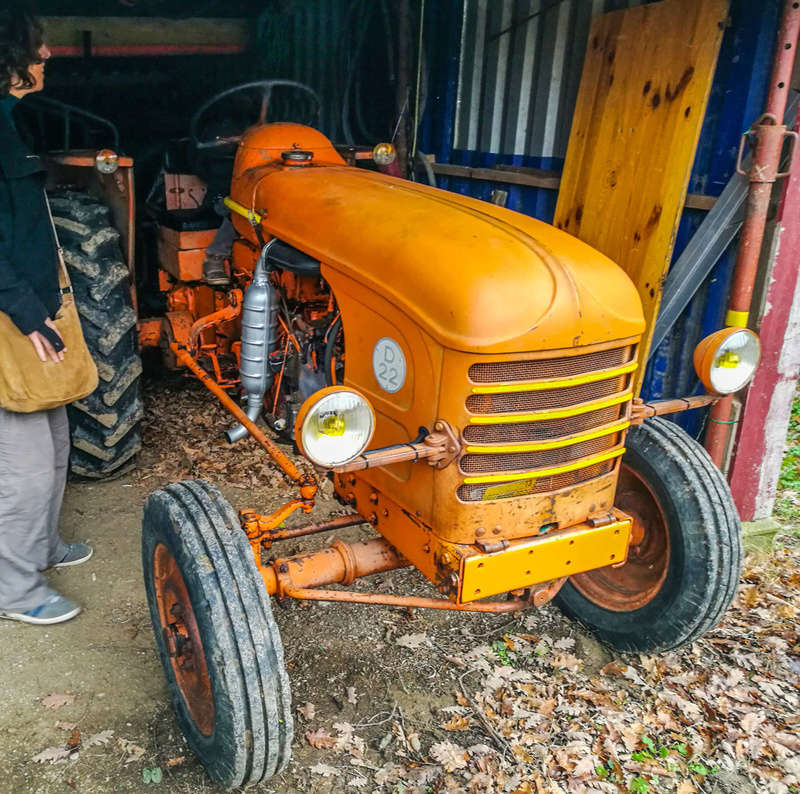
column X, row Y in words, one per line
column 288, row 468
column 763, row 172
column 340, row 563
column 409, row 602
column 340, row 522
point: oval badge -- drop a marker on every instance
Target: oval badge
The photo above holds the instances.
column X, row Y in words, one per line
column 389, row 365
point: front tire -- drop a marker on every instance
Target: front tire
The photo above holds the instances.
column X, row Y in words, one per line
column 217, row 640
column 684, row 562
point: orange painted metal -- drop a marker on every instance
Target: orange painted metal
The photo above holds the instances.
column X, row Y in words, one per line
column 408, row 602
column 642, row 410
column 182, row 264
column 306, row 482
column 230, row 312
column 85, row 158
column 182, row 639
column 637, row 582
column 150, row 332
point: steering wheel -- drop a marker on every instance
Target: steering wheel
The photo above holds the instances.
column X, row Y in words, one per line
column 299, row 95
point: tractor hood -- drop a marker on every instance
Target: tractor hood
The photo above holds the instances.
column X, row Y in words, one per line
column 476, row 277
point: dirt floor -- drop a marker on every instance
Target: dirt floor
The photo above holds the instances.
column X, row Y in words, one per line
column 386, row 701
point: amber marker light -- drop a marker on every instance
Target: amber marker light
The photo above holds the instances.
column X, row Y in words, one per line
column 334, row 426
column 384, row 154
column 726, row 360
column 106, row 161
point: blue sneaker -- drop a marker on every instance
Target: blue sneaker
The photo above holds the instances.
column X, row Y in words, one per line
column 54, row 609
column 76, row 554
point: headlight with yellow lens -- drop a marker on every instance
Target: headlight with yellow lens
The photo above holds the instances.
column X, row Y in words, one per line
column 726, row 361
column 334, row 426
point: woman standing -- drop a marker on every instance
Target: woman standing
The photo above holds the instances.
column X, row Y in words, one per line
column 34, row 447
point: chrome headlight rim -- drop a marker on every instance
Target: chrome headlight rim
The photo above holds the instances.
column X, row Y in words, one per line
column 310, row 412
column 738, row 343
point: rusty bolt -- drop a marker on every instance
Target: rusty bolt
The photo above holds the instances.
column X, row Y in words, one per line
column 373, row 519
column 496, row 530
column 445, row 559
column 480, row 532
column 352, row 479
column 385, row 513
column 373, row 497
column 453, row 582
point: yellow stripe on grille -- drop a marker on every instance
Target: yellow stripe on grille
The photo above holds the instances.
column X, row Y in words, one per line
column 542, row 385
column 542, row 445
column 534, row 475
column 560, row 413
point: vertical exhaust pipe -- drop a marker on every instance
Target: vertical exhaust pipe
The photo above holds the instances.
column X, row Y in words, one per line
column 259, row 320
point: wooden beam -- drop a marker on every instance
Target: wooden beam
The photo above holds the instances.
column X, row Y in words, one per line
column 537, row 177
column 126, row 36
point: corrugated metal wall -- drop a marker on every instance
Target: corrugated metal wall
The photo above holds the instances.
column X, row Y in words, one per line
column 503, row 92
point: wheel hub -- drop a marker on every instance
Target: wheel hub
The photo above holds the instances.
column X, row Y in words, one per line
column 182, row 641
column 638, row 580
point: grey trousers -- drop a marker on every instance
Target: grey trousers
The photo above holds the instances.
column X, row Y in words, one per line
column 34, row 454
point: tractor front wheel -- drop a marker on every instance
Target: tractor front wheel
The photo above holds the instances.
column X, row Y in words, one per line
column 684, row 559
column 215, row 633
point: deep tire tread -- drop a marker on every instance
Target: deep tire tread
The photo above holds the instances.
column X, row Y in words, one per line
column 104, row 424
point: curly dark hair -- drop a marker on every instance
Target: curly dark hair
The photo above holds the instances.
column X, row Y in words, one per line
column 21, row 37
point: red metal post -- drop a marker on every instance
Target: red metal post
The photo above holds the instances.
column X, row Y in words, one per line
column 769, row 134
column 755, row 470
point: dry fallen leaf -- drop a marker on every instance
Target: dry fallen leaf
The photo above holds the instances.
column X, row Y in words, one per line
column 135, row 753
column 449, row 755
column 52, row 755
column 66, row 726
column 457, row 723
column 352, row 697
column 56, row 700
column 104, row 737
column 324, row 770
column 309, row 711
column 412, row 641
column 321, row 739
column 177, row 761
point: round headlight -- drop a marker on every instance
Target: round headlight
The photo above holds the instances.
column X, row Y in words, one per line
column 384, row 154
column 726, row 361
column 106, row 161
column 334, row 426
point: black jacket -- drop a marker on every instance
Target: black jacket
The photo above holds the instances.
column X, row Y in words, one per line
column 29, row 290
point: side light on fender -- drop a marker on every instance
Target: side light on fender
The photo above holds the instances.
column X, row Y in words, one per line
column 384, row 154
column 106, row 161
column 334, row 426
column 726, row 360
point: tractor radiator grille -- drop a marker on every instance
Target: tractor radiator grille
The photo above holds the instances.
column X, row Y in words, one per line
column 533, row 369
column 541, row 425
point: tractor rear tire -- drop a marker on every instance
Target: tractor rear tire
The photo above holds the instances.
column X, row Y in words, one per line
column 218, row 642
column 685, row 559
column 104, row 425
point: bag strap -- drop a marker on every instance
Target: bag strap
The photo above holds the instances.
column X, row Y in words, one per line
column 64, row 282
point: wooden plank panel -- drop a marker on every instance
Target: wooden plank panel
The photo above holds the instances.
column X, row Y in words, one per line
column 641, row 103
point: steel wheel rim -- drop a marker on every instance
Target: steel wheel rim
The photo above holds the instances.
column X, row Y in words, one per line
column 637, row 582
column 182, row 641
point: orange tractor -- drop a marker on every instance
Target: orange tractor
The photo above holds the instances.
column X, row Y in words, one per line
column 465, row 375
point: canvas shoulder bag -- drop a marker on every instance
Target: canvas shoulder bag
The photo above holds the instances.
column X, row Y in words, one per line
column 28, row 384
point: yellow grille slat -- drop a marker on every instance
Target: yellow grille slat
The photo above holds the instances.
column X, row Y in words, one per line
column 543, row 385
column 535, row 474
column 545, row 445
column 558, row 413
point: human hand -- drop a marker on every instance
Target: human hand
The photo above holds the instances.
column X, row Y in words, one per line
column 48, row 343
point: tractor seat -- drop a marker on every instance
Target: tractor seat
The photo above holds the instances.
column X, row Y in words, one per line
column 192, row 220
column 284, row 256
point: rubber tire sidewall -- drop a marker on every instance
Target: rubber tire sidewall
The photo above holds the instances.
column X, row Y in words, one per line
column 676, row 610
column 223, row 665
